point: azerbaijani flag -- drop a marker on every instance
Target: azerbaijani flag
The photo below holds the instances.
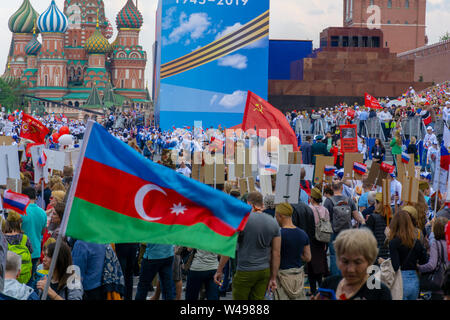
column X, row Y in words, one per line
column 329, row 171
column 359, row 168
column 118, row 196
column 405, row 157
column 15, row 201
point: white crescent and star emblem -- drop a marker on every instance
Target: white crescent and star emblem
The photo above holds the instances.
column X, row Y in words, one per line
column 139, row 203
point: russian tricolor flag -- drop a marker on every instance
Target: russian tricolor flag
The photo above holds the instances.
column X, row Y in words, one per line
column 360, row 168
column 445, row 158
column 329, row 171
column 42, row 161
column 15, row 201
column 405, row 157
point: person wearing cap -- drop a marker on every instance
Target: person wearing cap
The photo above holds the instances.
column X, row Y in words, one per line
column 318, row 266
column 428, row 141
column 295, row 250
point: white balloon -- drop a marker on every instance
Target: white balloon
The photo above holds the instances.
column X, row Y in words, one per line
column 66, row 140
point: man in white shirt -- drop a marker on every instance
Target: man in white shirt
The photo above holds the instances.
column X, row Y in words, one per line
column 184, row 170
column 396, row 191
column 428, row 141
column 385, row 117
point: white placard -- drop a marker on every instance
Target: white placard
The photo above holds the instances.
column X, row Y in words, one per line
column 39, row 172
column 9, row 163
column 284, row 150
column 309, row 170
column 55, row 159
column 288, row 186
column 231, row 172
column 72, row 158
column 265, row 182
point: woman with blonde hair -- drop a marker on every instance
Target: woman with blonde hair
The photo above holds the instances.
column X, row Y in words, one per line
column 356, row 251
column 406, row 253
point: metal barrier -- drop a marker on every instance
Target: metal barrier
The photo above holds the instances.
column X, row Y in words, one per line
column 305, row 127
column 374, row 129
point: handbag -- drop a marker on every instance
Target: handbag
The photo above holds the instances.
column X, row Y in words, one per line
column 393, row 280
column 433, row 281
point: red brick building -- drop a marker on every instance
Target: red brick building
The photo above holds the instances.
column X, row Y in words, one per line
column 402, row 21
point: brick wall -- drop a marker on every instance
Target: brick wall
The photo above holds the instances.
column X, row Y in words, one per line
column 431, row 62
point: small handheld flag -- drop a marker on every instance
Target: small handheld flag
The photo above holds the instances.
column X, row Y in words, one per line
column 329, row 171
column 42, row 159
column 360, row 168
column 387, row 168
column 405, row 157
column 15, row 201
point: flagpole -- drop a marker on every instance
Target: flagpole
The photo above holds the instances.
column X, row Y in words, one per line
column 67, row 210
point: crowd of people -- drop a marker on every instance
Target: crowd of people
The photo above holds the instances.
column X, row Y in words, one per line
column 320, row 248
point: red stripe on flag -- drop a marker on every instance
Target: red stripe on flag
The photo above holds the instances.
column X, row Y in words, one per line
column 116, row 190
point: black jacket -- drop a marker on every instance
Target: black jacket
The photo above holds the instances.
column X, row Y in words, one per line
column 303, row 218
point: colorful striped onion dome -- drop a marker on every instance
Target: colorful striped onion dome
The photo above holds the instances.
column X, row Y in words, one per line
column 7, row 76
column 97, row 43
column 109, row 31
column 33, row 47
column 129, row 17
column 53, row 20
column 22, row 21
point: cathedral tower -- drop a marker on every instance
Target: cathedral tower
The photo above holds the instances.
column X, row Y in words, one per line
column 129, row 58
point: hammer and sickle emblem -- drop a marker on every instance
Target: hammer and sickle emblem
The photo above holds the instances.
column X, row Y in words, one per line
column 258, row 107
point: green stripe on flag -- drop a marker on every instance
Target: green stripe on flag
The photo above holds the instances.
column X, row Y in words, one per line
column 95, row 224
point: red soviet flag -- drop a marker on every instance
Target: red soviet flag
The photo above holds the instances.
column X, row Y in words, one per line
column 371, row 102
column 33, row 130
column 262, row 115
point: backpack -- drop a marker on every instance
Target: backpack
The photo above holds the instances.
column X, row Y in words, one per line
column 27, row 265
column 342, row 215
column 324, row 229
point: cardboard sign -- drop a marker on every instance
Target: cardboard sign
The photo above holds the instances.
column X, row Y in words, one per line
column 198, row 172
column 14, row 185
column 373, row 173
column 287, row 185
column 214, row 169
column 321, row 162
column 386, row 191
column 404, row 169
column 349, row 138
column 9, row 163
column 6, row 141
column 349, row 160
column 247, row 185
column 410, row 190
column 295, row 157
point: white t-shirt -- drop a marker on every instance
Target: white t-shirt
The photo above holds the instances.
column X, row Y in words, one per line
column 185, row 171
